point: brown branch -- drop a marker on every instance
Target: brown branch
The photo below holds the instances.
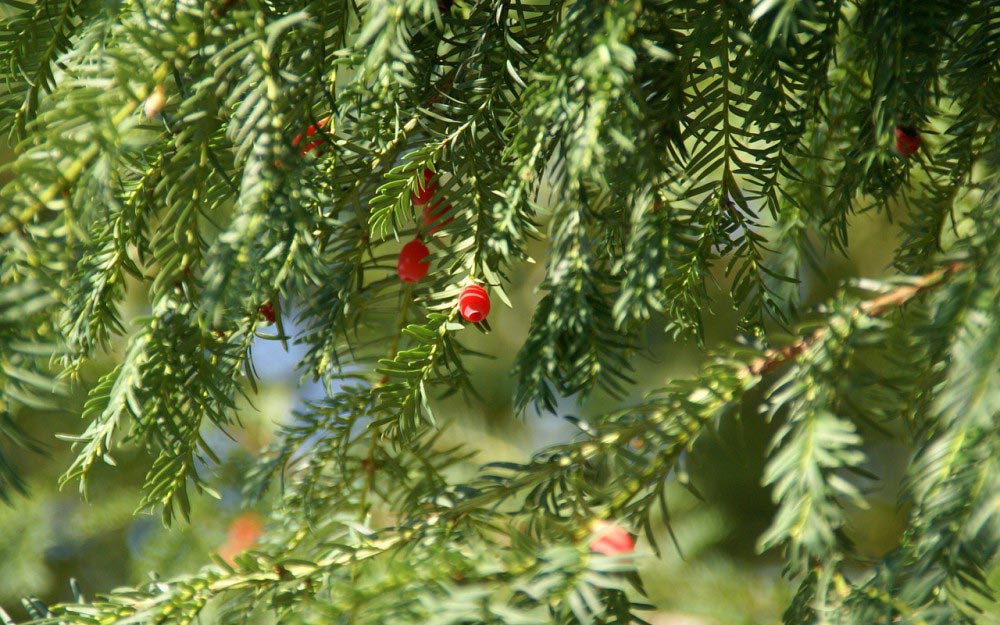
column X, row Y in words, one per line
column 876, row 307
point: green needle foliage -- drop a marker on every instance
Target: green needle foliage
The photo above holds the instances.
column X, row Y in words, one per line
column 664, row 150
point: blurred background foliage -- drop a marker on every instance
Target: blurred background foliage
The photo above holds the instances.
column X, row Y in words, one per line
column 712, row 576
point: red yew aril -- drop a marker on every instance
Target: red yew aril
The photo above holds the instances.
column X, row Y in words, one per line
column 426, row 191
column 907, row 140
column 313, row 129
column 243, row 533
column 474, row 303
column 267, row 311
column 610, row 539
column 434, row 216
column 413, row 262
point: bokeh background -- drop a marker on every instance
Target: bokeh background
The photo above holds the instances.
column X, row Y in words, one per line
column 53, row 535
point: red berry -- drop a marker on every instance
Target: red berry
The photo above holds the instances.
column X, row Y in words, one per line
column 267, row 311
column 312, row 145
column 413, row 261
column 474, row 303
column 907, row 140
column 246, row 528
column 433, row 216
column 243, row 533
column 610, row 539
column 426, row 190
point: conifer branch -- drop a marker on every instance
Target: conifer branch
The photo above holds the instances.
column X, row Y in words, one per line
column 639, row 152
column 876, row 307
column 70, row 173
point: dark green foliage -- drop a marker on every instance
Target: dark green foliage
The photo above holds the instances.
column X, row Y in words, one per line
column 26, row 343
column 666, row 152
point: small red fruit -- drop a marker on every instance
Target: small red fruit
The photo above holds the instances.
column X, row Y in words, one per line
column 425, row 191
column 907, row 140
column 610, row 539
column 433, row 216
column 413, row 261
column 243, row 533
column 267, row 311
column 310, row 132
column 474, row 303
column 154, row 104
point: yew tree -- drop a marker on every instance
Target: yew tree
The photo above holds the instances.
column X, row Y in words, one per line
column 366, row 179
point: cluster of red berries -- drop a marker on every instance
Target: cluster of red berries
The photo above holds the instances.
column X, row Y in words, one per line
column 413, row 262
column 310, row 131
column 311, row 145
column 907, row 140
column 414, row 259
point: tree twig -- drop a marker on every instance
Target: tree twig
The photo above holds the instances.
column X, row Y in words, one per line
column 773, row 358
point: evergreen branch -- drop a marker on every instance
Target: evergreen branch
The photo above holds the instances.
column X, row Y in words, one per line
column 667, row 143
column 569, row 465
column 810, row 448
column 81, row 148
column 876, row 307
column 391, row 203
column 256, row 132
column 814, row 442
column 169, row 352
column 729, row 169
column 110, row 402
column 875, row 98
column 576, row 462
column 91, row 316
column 953, row 534
column 573, row 344
column 954, row 529
column 37, row 35
column 335, row 305
column 587, row 477
column 336, row 459
column 475, row 581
